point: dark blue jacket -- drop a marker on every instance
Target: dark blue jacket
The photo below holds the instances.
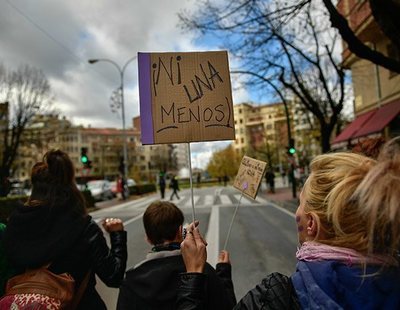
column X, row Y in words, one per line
column 334, row 285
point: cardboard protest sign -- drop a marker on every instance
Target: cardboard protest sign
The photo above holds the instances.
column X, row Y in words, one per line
column 249, row 176
column 185, row 97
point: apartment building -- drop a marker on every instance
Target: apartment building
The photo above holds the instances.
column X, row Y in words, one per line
column 261, row 131
column 161, row 157
column 306, row 133
column 376, row 89
column 104, row 147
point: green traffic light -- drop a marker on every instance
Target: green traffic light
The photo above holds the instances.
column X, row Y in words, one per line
column 292, row 150
column 84, row 159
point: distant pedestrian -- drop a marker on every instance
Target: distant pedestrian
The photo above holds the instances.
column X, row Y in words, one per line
column 161, row 184
column 121, row 187
column 175, row 187
column 270, row 179
column 226, row 179
column 198, row 179
column 283, row 175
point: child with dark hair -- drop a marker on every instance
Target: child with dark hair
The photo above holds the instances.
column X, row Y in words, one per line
column 153, row 283
column 53, row 227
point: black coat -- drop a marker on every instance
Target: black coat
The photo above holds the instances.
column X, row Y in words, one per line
column 72, row 243
column 154, row 285
column 276, row 292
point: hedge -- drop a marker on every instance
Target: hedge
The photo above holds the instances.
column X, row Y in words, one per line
column 7, row 204
column 141, row 189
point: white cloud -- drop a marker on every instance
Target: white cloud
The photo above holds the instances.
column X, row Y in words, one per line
column 60, row 36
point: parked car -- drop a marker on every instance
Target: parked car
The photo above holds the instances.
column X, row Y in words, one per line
column 100, row 190
column 18, row 189
column 130, row 182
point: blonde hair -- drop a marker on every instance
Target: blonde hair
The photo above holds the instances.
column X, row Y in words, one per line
column 329, row 197
column 379, row 196
column 356, row 201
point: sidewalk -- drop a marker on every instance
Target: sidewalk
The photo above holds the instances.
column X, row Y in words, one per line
column 283, row 196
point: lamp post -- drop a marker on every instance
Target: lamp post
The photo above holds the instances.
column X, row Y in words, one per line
column 121, row 73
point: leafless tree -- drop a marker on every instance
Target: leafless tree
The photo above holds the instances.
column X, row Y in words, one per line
column 28, row 92
column 281, row 47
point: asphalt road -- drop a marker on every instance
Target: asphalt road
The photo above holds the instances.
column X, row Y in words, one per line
column 263, row 237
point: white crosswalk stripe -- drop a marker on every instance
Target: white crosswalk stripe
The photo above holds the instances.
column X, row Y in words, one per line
column 225, row 199
column 209, row 200
column 245, row 199
column 189, row 202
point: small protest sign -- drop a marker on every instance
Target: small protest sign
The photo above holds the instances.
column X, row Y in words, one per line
column 249, row 176
column 185, row 97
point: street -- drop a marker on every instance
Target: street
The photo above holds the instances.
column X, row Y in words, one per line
column 263, row 238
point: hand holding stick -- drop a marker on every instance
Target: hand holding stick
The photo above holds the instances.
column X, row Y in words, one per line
column 194, row 250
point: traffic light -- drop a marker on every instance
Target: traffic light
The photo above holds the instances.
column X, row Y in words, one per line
column 291, row 150
column 84, row 157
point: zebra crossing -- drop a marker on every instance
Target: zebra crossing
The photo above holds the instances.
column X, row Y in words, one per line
column 135, row 208
column 185, row 201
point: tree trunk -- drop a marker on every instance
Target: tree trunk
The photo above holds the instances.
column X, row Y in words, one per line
column 325, row 139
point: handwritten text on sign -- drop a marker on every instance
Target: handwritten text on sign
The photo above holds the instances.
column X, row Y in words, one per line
column 185, row 97
column 249, row 176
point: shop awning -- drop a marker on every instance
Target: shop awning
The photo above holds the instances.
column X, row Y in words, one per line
column 379, row 120
column 354, row 127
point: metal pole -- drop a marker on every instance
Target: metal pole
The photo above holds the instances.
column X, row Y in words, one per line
column 191, row 183
column 121, row 73
column 233, row 218
column 123, row 125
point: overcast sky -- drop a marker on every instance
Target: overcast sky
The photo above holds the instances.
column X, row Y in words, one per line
column 59, row 36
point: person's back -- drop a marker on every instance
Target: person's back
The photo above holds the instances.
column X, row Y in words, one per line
column 54, row 228
column 153, row 283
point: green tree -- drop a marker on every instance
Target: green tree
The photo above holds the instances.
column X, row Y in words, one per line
column 224, row 162
column 28, row 93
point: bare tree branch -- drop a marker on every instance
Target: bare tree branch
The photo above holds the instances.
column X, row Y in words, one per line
column 355, row 45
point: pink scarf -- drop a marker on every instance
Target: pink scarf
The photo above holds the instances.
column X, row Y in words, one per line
column 314, row 251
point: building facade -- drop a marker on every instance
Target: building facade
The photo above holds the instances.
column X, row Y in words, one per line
column 104, row 147
column 261, row 132
column 376, row 89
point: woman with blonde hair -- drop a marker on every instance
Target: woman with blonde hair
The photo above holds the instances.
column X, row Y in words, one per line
column 348, row 224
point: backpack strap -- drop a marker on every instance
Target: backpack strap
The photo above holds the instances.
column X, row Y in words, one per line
column 79, row 293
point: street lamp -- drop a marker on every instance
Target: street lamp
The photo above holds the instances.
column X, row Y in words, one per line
column 121, row 73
